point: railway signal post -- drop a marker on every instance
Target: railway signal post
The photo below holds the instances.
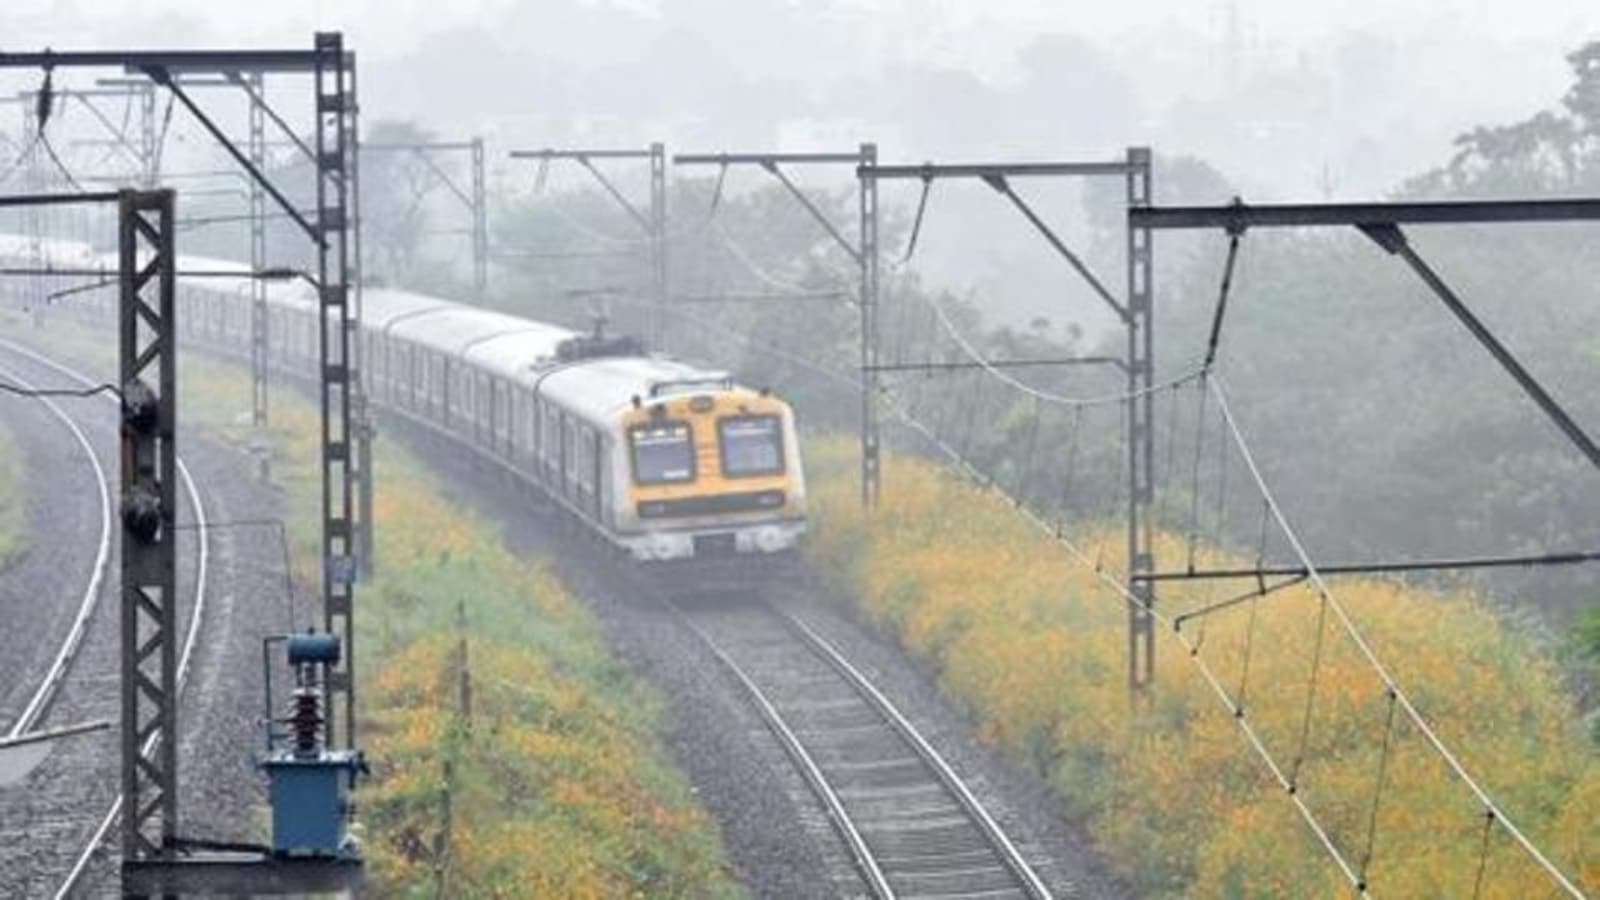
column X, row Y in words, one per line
column 148, row 379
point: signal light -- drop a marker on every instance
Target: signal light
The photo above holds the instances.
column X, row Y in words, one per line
column 141, row 408
column 141, row 512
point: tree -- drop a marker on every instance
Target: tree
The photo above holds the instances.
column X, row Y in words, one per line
column 1548, row 152
column 395, row 187
column 1583, row 99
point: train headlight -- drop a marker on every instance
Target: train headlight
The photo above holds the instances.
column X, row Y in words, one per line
column 669, row 546
column 771, row 539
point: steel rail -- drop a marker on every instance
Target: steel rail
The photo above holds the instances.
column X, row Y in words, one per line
column 952, row 782
column 46, row 692
column 80, row 866
column 864, row 858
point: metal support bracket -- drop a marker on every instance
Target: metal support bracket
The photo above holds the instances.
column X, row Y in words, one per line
column 163, row 77
column 1003, row 186
column 771, row 166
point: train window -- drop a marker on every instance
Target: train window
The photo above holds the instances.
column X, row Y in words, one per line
column 663, row 453
column 751, row 445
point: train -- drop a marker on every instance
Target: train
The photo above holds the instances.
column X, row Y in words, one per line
column 670, row 464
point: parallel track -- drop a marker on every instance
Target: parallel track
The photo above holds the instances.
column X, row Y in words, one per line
column 48, row 687
column 83, row 859
column 912, row 826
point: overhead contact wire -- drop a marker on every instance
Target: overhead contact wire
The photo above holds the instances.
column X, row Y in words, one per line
column 986, row 365
column 1406, row 706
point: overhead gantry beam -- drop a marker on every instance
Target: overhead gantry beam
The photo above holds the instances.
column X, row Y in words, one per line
column 1242, row 216
column 1381, row 222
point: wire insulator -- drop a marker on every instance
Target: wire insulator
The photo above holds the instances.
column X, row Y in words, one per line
column 44, row 101
column 305, row 722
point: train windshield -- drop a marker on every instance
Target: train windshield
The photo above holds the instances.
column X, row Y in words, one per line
column 663, row 453
column 751, row 445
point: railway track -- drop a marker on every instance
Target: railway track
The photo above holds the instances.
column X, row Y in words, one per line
column 912, row 826
column 39, row 701
column 83, row 818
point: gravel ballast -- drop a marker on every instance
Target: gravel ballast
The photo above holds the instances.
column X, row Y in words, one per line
column 778, row 838
column 53, row 811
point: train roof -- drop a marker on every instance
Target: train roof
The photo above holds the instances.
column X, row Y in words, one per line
column 212, row 269
column 517, row 354
column 381, row 307
column 51, row 250
column 460, row 330
column 509, row 346
column 598, row 388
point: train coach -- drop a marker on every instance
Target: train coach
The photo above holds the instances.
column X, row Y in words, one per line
column 674, row 465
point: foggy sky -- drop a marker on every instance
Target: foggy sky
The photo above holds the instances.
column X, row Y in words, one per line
column 1313, row 96
column 1306, row 99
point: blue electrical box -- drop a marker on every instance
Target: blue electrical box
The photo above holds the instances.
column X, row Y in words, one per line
column 308, row 784
column 310, row 799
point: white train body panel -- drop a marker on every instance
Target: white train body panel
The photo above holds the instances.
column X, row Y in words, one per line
column 665, row 460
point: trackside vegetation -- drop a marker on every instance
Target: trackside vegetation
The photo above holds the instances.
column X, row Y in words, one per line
column 512, row 755
column 1028, row 639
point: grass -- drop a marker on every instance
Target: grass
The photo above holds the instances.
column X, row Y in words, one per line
column 1031, row 642
column 557, row 782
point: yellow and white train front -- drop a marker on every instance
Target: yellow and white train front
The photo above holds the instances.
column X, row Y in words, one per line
column 710, row 473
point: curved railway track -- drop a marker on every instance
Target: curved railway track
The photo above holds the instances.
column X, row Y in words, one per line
column 52, row 684
column 912, row 826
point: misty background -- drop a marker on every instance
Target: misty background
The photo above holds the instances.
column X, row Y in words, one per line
column 1386, row 430
column 1316, row 99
